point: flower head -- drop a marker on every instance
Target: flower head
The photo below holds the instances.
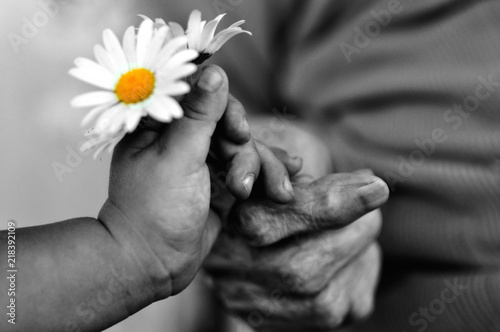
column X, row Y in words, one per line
column 201, row 35
column 138, row 78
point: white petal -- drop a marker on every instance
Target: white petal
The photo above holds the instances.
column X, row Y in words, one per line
column 95, row 112
column 194, row 29
column 208, row 32
column 236, row 24
column 92, row 78
column 129, row 46
column 222, row 37
column 173, row 88
column 160, row 22
column 119, row 121
column 155, row 46
column 163, row 109
column 178, row 59
column 87, row 146
column 143, row 40
column 115, row 50
column 90, row 132
column 88, row 64
column 105, row 60
column 171, row 47
column 115, row 141
column 176, row 109
column 133, row 120
column 177, row 30
column 93, row 99
column 111, row 120
column 93, row 73
column 110, row 143
column 178, row 72
column 100, row 150
column 93, row 141
column 194, row 21
column 144, row 17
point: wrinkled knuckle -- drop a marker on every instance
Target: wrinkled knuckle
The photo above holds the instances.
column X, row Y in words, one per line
column 291, row 280
column 329, row 204
column 314, row 285
column 307, row 275
column 309, row 286
column 261, row 238
column 253, row 228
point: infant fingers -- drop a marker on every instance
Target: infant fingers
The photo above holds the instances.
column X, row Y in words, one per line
column 243, row 169
column 249, row 160
column 276, row 180
column 234, row 122
column 293, row 164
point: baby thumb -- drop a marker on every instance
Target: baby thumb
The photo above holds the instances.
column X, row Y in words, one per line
column 189, row 137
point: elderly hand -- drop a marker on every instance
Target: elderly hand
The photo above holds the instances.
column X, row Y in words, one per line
column 308, row 265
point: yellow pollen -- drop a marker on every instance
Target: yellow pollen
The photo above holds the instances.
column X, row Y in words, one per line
column 135, row 86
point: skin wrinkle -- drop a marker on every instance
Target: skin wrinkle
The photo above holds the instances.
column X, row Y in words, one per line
column 315, row 209
column 317, row 302
column 324, row 310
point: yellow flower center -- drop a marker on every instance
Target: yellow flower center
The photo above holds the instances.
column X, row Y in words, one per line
column 135, row 86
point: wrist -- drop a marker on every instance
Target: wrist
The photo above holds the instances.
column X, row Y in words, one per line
column 135, row 249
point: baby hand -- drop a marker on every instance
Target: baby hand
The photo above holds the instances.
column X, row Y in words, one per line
column 159, row 190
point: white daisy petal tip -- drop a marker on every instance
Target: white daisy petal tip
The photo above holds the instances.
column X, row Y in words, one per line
column 201, row 35
column 87, row 146
column 144, row 17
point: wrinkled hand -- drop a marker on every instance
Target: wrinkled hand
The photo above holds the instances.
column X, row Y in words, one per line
column 308, row 265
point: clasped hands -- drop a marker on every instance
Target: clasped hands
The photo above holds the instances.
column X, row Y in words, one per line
column 308, row 265
column 300, row 252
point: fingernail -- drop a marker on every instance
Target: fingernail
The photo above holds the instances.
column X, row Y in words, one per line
column 288, row 185
column 375, row 193
column 248, row 182
column 210, row 80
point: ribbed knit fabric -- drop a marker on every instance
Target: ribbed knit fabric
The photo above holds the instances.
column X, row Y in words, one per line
column 382, row 94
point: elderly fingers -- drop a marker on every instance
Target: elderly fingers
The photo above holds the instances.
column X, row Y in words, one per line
column 331, row 202
column 307, row 264
column 302, row 266
column 276, row 309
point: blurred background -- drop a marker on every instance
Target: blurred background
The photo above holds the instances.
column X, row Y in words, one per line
column 44, row 177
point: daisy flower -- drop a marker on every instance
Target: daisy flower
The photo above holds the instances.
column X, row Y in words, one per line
column 138, row 79
column 201, row 35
